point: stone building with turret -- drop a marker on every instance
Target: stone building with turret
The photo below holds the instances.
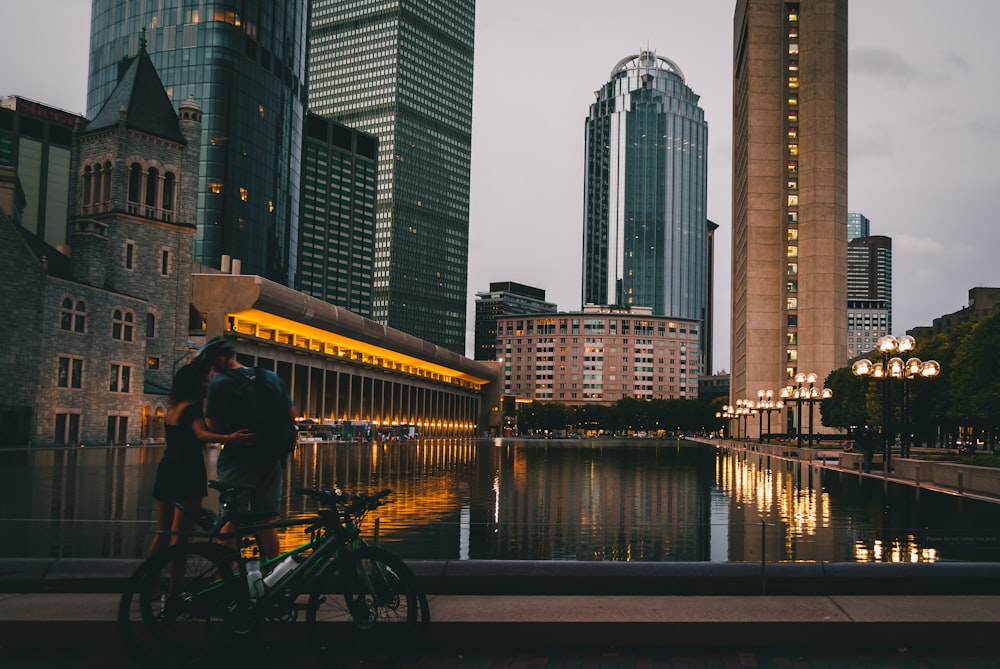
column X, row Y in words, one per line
column 94, row 337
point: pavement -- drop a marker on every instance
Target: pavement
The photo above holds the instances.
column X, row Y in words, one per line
column 552, row 615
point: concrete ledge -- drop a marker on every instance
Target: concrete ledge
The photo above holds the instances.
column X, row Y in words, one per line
column 537, row 577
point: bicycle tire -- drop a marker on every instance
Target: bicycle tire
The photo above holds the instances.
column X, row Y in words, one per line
column 367, row 612
column 180, row 606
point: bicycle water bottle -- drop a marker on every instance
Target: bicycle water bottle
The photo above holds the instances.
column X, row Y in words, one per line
column 255, row 582
column 280, row 570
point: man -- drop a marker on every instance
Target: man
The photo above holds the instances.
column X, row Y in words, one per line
column 224, row 410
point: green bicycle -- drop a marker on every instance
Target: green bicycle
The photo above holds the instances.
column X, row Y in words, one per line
column 193, row 603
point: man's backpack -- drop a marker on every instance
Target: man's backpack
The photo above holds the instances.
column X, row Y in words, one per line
column 263, row 409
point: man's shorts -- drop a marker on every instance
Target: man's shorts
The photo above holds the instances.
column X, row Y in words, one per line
column 266, row 479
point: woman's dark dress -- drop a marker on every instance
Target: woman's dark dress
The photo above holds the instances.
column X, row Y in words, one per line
column 181, row 473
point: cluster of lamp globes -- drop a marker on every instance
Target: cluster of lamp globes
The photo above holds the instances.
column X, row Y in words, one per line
column 894, row 367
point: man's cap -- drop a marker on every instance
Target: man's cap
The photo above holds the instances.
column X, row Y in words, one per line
column 212, row 349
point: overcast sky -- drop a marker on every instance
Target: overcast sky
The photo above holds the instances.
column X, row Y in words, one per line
column 924, row 130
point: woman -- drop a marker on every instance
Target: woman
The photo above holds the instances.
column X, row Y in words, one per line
column 181, row 475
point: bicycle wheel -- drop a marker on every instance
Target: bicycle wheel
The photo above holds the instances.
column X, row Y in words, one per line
column 366, row 612
column 180, row 605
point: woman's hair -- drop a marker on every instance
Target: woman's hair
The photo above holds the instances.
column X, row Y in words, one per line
column 188, row 384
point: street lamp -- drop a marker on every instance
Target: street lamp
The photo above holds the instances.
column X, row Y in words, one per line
column 766, row 404
column 728, row 413
column 744, row 408
column 805, row 390
column 893, row 367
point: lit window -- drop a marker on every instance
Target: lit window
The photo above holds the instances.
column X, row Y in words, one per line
column 793, row 166
column 793, row 48
column 793, row 184
column 215, row 187
column 793, row 101
column 243, row 194
column 793, row 115
column 793, row 234
column 793, row 132
column 793, row 200
column 793, row 82
column 793, row 251
column 793, row 149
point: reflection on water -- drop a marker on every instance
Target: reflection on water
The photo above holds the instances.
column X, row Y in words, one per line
column 512, row 499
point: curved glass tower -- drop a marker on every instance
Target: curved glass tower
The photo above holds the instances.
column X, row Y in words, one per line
column 244, row 62
column 646, row 231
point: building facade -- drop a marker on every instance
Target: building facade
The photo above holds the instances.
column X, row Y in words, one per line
column 504, row 298
column 983, row 301
column 337, row 222
column 402, row 71
column 598, row 356
column 645, row 241
column 789, row 254
column 245, row 63
column 36, row 140
column 101, row 330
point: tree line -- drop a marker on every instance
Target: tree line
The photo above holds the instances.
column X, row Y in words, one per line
column 962, row 401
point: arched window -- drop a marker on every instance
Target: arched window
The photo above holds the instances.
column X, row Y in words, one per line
column 106, row 194
column 152, row 186
column 86, row 185
column 72, row 315
column 150, row 326
column 98, row 176
column 169, row 181
column 134, row 182
column 122, row 325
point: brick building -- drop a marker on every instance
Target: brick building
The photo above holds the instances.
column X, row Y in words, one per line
column 95, row 335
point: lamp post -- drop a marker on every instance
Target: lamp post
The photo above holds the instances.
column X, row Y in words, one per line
column 744, row 408
column 766, row 404
column 805, row 391
column 892, row 366
column 728, row 413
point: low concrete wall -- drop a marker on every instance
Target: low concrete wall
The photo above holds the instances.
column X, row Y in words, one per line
column 553, row 577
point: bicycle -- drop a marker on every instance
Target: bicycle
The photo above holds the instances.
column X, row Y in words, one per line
column 189, row 604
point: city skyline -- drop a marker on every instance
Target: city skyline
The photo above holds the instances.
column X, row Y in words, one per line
column 918, row 109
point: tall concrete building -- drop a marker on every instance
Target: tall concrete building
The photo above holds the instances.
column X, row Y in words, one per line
column 504, row 298
column 789, row 283
column 36, row 139
column 645, row 241
column 337, row 235
column 402, row 71
column 245, row 63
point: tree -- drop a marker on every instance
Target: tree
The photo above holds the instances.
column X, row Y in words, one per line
column 847, row 407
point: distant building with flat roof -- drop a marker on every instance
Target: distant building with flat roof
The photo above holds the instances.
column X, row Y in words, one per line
column 504, row 298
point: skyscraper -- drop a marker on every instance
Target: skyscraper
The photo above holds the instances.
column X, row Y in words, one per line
column 402, row 71
column 337, row 234
column 245, row 63
column 36, row 139
column 869, row 292
column 789, row 283
column 645, row 240
column 858, row 225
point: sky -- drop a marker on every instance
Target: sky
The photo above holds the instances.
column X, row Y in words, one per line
column 924, row 130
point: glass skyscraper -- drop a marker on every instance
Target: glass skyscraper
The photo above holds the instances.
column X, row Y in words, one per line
column 645, row 223
column 244, row 62
column 338, row 215
column 402, row 71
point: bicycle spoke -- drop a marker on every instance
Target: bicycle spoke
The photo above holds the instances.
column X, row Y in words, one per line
column 367, row 613
column 181, row 605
